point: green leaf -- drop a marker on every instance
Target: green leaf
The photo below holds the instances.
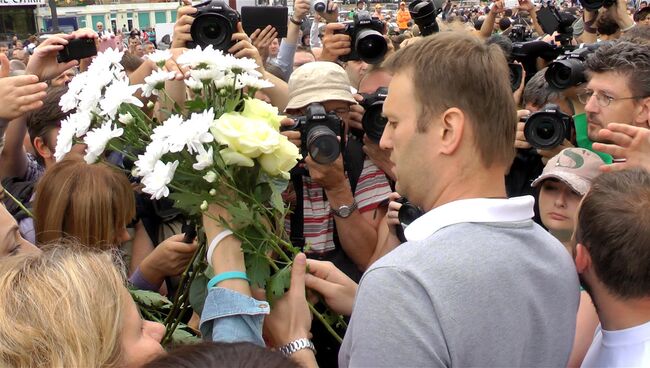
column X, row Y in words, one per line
column 195, row 105
column 183, row 337
column 263, row 192
column 198, row 293
column 149, row 299
column 187, row 201
column 242, row 215
column 257, row 269
column 278, row 284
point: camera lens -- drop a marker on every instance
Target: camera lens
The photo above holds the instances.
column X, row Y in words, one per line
column 212, row 29
column 563, row 74
column 320, row 6
column 323, row 145
column 371, row 46
column 408, row 213
column 543, row 131
column 373, row 122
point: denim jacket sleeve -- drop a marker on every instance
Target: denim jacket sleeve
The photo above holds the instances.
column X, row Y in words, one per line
column 229, row 316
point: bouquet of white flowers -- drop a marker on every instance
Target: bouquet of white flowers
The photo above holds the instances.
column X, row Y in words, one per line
column 222, row 147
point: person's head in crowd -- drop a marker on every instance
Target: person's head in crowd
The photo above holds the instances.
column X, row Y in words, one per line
column 68, row 307
column 642, row 16
column 613, row 241
column 607, row 27
column 618, row 90
column 221, row 355
column 91, row 203
column 302, row 56
column 100, row 27
column 133, row 42
column 538, row 93
column 304, row 40
column 149, row 48
column 16, row 67
column 320, row 82
column 361, row 4
column 459, row 115
column 134, row 34
column 138, row 51
column 355, row 70
column 643, row 4
column 130, row 62
column 376, row 77
column 503, row 42
column 565, row 180
column 64, row 78
column 402, row 6
column 21, row 55
column 4, row 48
column 478, row 24
column 504, row 24
column 19, row 45
column 638, row 34
column 11, row 242
column 43, row 127
column 274, row 48
column 507, row 13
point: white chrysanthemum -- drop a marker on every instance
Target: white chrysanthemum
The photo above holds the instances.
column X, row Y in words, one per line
column 204, row 159
column 224, row 81
column 156, row 82
column 160, row 57
column 146, row 162
column 89, row 99
column 126, row 119
column 116, row 94
column 248, row 80
column 98, row 138
column 169, row 128
column 196, row 131
column 200, row 59
column 193, row 84
column 70, row 99
column 81, row 120
column 155, row 183
column 64, row 139
column 206, row 75
column 242, row 65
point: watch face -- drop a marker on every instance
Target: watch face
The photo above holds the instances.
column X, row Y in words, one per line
column 344, row 211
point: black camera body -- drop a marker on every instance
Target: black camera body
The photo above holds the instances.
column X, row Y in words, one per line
column 568, row 70
column 594, row 5
column 366, row 37
column 520, row 33
column 548, row 127
column 424, row 13
column 406, row 215
column 373, row 121
column 319, row 132
column 214, row 24
column 516, row 75
column 77, row 49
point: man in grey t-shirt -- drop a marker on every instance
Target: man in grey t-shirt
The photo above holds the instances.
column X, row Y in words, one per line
column 478, row 283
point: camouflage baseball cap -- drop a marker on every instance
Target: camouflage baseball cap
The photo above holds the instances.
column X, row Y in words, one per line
column 576, row 167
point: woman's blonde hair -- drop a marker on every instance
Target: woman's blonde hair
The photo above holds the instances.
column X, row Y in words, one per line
column 90, row 203
column 61, row 308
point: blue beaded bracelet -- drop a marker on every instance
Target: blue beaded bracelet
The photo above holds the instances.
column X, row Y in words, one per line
column 227, row 276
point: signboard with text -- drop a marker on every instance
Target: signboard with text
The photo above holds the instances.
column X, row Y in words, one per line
column 21, row 2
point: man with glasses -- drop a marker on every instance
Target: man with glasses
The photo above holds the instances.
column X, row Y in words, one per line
column 619, row 87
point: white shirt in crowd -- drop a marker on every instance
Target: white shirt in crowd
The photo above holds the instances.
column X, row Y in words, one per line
column 623, row 348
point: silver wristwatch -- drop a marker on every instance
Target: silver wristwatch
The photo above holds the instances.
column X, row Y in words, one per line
column 345, row 211
column 297, row 345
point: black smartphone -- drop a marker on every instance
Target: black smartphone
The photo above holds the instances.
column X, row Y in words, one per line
column 547, row 20
column 77, row 49
column 254, row 17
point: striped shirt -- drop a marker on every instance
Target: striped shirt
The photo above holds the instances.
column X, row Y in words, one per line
column 372, row 188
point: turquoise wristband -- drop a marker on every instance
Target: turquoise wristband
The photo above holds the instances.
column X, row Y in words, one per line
column 227, row 276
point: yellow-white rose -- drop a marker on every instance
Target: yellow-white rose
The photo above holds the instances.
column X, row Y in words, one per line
column 231, row 157
column 258, row 109
column 245, row 136
column 280, row 161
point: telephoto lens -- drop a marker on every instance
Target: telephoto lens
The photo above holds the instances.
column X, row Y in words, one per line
column 323, row 145
column 548, row 128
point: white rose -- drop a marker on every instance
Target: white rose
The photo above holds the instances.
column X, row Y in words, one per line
column 280, row 161
column 248, row 137
column 231, row 157
column 258, row 109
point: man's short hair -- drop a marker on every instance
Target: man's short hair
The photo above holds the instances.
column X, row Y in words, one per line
column 606, row 25
column 148, row 43
column 627, row 58
column 538, row 92
column 613, row 225
column 42, row 121
column 504, row 24
column 454, row 69
column 638, row 34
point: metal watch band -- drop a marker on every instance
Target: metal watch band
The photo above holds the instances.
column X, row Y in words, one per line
column 297, row 345
column 345, row 211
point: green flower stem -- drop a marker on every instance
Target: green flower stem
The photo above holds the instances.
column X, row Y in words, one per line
column 22, row 207
column 324, row 322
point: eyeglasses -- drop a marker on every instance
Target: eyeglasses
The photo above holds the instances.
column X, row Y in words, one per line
column 602, row 99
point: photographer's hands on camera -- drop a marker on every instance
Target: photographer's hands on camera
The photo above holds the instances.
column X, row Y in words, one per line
column 43, row 62
column 522, row 143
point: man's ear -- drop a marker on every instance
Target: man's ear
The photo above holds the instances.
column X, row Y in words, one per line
column 42, row 149
column 643, row 117
column 452, row 128
column 582, row 258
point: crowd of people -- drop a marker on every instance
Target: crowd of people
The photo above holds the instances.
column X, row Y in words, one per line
column 520, row 253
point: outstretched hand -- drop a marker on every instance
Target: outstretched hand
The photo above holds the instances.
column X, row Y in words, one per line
column 629, row 144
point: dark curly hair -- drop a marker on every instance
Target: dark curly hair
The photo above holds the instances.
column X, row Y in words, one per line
column 629, row 59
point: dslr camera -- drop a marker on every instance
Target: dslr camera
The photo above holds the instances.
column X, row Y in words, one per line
column 548, row 128
column 319, row 132
column 594, row 5
column 214, row 24
column 406, row 215
column 368, row 42
column 568, row 70
column 373, row 121
column 520, row 33
column 319, row 5
column 424, row 13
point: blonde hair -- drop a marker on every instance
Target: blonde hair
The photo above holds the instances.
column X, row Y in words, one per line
column 61, row 308
column 91, row 203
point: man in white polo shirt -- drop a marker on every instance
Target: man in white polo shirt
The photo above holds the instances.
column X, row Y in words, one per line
column 478, row 283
